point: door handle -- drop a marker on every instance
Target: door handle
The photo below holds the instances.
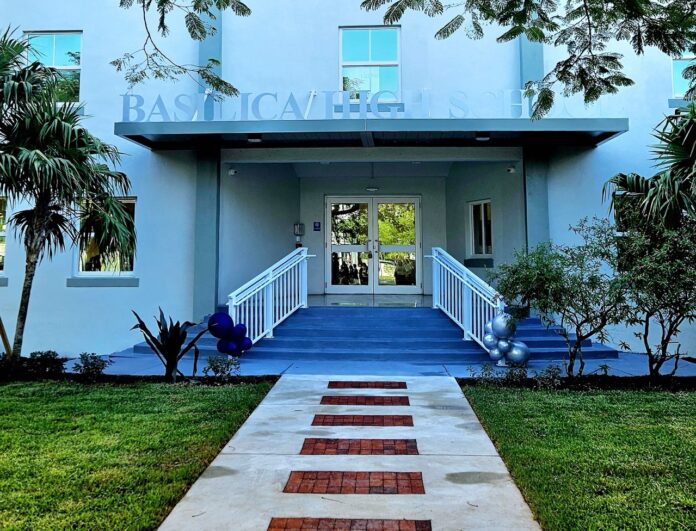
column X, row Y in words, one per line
column 369, row 249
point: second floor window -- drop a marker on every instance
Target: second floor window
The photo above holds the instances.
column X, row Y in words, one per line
column 3, row 232
column 681, row 85
column 61, row 51
column 481, row 229
column 370, row 60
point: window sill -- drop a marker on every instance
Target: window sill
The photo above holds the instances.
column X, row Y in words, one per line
column 478, row 262
column 103, row 282
column 3, row 282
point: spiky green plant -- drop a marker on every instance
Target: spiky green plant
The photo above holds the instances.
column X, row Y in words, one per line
column 168, row 344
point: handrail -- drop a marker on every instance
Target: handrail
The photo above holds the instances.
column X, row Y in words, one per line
column 463, row 296
column 271, row 297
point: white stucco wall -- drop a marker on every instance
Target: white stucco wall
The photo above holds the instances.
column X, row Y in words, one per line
column 259, row 207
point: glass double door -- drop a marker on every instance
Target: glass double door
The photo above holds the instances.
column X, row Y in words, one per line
column 373, row 245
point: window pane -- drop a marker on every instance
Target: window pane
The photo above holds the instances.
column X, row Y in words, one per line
column 356, row 78
column 397, row 269
column 356, row 45
column 397, row 223
column 67, row 49
column 2, row 253
column 68, row 88
column 92, row 261
column 388, row 79
column 681, row 85
column 487, row 228
column 42, row 49
column 349, row 269
column 384, row 44
column 349, row 224
column 478, row 229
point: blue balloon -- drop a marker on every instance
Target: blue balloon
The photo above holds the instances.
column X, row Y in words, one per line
column 226, row 346
column 246, row 344
column 221, row 325
column 240, row 332
column 490, row 341
column 504, row 345
column 496, row 355
column 503, row 326
column 519, row 353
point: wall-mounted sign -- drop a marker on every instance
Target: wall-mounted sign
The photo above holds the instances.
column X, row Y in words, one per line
column 317, row 226
column 326, row 105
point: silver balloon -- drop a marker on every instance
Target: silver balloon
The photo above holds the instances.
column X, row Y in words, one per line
column 519, row 353
column 490, row 341
column 504, row 345
column 488, row 328
column 504, row 326
column 496, row 355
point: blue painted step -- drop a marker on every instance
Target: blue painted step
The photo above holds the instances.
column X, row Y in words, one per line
column 416, row 335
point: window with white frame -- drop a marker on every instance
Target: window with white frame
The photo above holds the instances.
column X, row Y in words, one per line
column 481, row 229
column 92, row 262
column 680, row 84
column 370, row 60
column 62, row 51
column 3, row 232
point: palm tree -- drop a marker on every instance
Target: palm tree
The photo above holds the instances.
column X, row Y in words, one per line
column 51, row 163
column 671, row 193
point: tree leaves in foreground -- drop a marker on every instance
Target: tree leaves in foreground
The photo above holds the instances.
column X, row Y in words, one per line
column 150, row 61
column 588, row 29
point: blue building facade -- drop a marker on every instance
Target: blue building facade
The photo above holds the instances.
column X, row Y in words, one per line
column 369, row 145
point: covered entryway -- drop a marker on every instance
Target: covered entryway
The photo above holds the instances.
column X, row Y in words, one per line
column 374, row 245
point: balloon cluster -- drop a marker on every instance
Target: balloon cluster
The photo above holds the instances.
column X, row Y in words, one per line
column 233, row 340
column 498, row 340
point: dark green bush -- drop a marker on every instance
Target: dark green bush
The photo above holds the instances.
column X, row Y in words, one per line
column 91, row 365
column 44, row 364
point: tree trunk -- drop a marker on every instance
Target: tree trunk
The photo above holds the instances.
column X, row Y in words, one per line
column 29, row 272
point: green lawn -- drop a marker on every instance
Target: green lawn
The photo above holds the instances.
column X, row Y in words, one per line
column 109, row 457
column 600, row 459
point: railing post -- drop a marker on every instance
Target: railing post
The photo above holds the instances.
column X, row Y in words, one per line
column 268, row 306
column 468, row 312
column 303, row 281
column 436, row 281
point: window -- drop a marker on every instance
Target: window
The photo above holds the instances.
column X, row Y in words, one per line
column 62, row 52
column 3, row 232
column 681, row 85
column 481, row 233
column 91, row 261
column 370, row 61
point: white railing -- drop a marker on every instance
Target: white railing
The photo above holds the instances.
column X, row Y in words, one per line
column 463, row 296
column 267, row 300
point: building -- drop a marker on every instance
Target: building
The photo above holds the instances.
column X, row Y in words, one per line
column 398, row 141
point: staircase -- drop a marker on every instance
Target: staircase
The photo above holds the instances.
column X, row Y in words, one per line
column 389, row 334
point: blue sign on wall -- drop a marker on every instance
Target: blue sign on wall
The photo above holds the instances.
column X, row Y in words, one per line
column 317, row 226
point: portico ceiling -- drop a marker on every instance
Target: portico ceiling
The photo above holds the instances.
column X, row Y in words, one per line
column 498, row 132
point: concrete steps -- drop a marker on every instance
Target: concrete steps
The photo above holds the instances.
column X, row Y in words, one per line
column 389, row 334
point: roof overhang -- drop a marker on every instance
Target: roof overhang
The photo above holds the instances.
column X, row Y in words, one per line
column 501, row 132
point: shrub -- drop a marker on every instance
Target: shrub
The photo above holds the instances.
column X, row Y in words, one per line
column 45, row 364
column 91, row 365
column 222, row 368
column 549, row 377
column 578, row 286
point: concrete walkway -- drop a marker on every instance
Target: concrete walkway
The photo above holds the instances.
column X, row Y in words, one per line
column 411, row 455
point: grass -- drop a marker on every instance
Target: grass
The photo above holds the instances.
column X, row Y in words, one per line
column 597, row 459
column 109, row 457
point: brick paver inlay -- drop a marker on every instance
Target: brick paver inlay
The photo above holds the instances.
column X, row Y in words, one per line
column 364, row 400
column 337, row 482
column 315, row 524
column 366, row 385
column 363, row 420
column 359, row 447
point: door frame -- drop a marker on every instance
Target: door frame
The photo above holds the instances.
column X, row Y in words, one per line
column 373, row 288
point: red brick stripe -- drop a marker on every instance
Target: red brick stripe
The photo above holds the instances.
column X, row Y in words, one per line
column 366, row 385
column 314, row 446
column 316, row 524
column 364, row 400
column 336, row 482
column 363, row 420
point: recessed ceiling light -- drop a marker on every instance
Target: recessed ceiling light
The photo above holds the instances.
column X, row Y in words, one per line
column 254, row 138
column 415, row 162
column 482, row 137
column 372, row 189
